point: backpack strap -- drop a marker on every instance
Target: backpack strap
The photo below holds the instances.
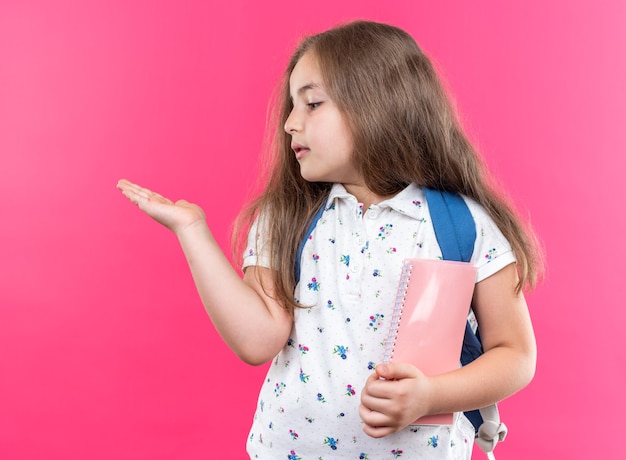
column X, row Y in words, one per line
column 307, row 235
column 455, row 231
column 454, row 225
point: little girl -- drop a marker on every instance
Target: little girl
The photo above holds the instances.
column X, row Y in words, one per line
column 363, row 126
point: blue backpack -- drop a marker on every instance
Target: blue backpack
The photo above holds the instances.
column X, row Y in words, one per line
column 455, row 231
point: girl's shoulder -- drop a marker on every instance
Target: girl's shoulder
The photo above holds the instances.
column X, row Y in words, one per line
column 492, row 251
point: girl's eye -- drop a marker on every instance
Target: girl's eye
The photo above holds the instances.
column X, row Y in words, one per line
column 313, row 105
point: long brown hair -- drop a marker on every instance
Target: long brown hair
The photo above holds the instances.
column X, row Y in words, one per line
column 404, row 130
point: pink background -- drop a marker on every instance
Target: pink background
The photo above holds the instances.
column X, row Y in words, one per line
column 105, row 349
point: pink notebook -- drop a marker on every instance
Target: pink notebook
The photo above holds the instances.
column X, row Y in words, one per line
column 428, row 321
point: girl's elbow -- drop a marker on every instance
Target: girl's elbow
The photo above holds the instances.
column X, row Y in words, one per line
column 525, row 376
column 253, row 359
column 527, row 367
column 256, row 355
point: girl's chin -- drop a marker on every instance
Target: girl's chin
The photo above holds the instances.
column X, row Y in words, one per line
column 309, row 176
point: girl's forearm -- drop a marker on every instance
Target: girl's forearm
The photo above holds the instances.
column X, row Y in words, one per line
column 496, row 375
column 254, row 330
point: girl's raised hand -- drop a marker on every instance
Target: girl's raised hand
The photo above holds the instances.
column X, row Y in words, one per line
column 176, row 216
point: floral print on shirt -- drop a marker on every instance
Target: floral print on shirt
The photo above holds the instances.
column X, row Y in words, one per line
column 350, row 271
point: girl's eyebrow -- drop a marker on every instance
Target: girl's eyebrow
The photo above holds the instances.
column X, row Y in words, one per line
column 303, row 89
column 308, row 87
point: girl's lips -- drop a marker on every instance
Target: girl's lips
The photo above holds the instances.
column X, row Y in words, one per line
column 299, row 150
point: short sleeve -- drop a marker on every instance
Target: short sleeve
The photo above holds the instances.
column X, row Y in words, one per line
column 256, row 252
column 492, row 251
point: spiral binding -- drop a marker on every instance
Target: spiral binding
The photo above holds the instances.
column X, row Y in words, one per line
column 398, row 307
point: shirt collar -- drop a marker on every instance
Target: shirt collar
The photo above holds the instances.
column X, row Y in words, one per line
column 408, row 201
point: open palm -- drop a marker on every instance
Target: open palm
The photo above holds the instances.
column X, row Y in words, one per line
column 176, row 216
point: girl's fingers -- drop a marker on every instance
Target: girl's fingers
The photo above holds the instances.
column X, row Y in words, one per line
column 375, row 397
column 378, row 431
column 172, row 215
column 139, row 195
column 375, row 424
column 378, row 388
column 374, row 403
column 370, row 417
column 138, row 191
column 127, row 186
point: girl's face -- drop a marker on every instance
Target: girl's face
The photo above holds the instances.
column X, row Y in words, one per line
column 320, row 138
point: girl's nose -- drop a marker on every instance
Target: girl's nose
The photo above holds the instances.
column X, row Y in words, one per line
column 292, row 124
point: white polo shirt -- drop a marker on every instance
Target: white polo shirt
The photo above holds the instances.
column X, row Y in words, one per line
column 350, row 268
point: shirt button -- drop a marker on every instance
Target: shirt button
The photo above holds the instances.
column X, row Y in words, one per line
column 372, row 214
column 355, row 268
